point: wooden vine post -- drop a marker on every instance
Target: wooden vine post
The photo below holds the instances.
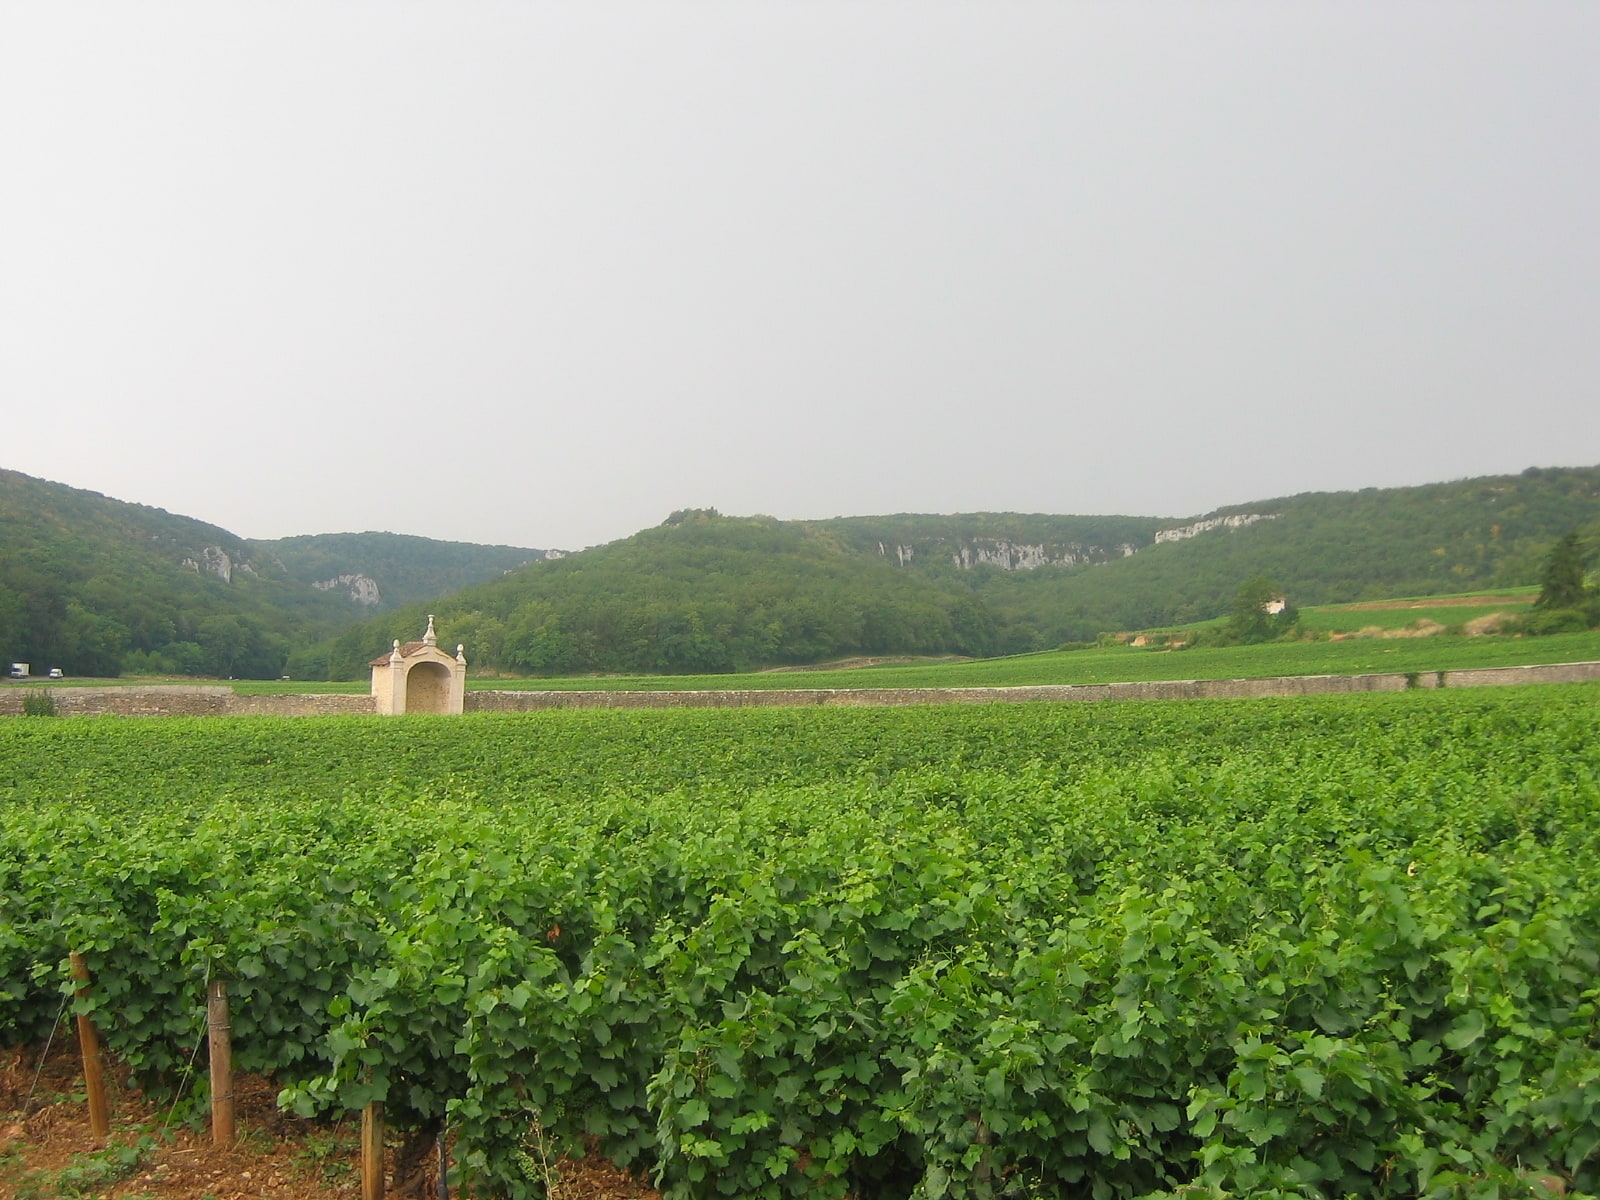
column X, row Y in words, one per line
column 94, row 1078
column 372, row 1151
column 220, row 1029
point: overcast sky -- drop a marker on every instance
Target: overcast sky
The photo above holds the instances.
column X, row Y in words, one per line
column 541, row 273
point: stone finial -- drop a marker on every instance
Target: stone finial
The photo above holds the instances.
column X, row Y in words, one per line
column 430, row 638
column 461, row 654
column 394, row 655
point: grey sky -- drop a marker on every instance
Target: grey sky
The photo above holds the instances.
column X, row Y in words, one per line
column 803, row 259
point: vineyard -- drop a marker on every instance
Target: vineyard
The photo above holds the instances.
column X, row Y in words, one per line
column 1328, row 947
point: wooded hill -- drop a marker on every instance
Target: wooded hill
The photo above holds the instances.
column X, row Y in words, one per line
column 97, row 586
column 100, row 587
column 382, row 571
column 705, row 592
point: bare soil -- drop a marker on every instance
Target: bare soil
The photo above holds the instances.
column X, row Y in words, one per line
column 852, row 664
column 1437, row 602
column 48, row 1151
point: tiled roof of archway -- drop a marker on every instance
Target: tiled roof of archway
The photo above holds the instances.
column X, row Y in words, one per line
column 407, row 650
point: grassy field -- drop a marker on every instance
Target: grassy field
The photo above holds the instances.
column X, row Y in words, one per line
column 1124, row 663
column 1105, row 664
column 1449, row 611
column 1112, row 664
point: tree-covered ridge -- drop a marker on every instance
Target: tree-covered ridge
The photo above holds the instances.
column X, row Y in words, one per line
column 699, row 593
column 706, row 593
column 1321, row 547
column 97, row 586
column 403, row 568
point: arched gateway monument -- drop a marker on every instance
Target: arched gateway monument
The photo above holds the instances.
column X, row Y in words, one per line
column 418, row 677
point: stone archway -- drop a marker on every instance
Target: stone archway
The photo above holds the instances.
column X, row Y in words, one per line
column 428, row 688
column 419, row 677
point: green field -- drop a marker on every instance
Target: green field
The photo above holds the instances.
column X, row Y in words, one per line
column 1101, row 664
column 1449, row 611
column 1127, row 663
column 1336, row 946
column 1107, row 663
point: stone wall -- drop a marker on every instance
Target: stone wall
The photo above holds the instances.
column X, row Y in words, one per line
column 1504, row 676
column 863, row 697
column 326, row 704
column 1180, row 689
column 157, row 701
column 216, row 700
column 179, row 700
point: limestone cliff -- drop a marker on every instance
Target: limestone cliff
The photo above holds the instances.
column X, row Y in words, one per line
column 1236, row 521
column 361, row 589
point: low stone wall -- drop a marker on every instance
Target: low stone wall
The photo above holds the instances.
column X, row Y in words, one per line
column 176, row 700
column 1168, row 689
column 324, row 704
column 1507, row 676
column 179, row 700
column 1187, row 689
column 220, row 701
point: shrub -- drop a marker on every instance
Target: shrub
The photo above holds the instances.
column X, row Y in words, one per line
column 1553, row 620
column 38, row 702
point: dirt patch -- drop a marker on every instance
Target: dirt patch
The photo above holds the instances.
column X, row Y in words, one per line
column 47, row 1149
column 1488, row 623
column 1477, row 627
column 1422, row 628
column 1417, row 629
column 852, row 664
column 1438, row 602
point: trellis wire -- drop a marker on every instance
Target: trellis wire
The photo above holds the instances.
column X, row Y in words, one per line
column 60, row 1012
column 188, row 1070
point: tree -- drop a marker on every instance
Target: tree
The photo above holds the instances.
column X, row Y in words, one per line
column 1561, row 581
column 90, row 644
column 225, row 641
column 1260, row 614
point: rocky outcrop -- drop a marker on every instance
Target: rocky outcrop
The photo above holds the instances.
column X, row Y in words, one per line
column 215, row 560
column 361, row 589
column 1026, row 556
column 1006, row 554
column 1010, row 556
column 1236, row 521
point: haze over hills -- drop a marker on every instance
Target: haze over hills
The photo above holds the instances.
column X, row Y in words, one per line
column 100, row 587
